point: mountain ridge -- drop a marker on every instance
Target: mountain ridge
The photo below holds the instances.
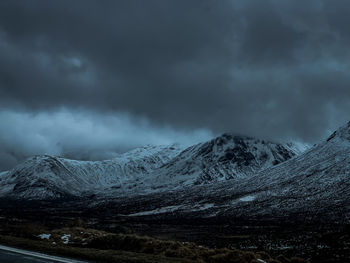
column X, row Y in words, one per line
column 145, row 169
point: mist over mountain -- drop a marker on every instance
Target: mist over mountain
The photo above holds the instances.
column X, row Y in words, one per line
column 167, row 72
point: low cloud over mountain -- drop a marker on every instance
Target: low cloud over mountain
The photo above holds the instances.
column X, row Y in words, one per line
column 271, row 69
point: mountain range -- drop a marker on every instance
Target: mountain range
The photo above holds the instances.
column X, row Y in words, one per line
column 227, row 176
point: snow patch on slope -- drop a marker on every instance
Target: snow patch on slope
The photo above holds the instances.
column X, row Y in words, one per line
column 247, row 198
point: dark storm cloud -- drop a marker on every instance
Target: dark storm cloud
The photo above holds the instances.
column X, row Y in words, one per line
column 276, row 69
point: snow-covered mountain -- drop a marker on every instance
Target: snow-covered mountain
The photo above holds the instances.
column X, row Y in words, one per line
column 315, row 183
column 144, row 170
column 312, row 186
column 46, row 176
column 225, row 157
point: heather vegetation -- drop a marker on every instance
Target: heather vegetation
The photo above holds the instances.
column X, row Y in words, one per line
column 85, row 243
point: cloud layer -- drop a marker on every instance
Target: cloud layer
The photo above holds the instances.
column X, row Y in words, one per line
column 276, row 68
column 82, row 135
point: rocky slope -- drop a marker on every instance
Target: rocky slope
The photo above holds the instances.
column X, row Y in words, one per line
column 223, row 158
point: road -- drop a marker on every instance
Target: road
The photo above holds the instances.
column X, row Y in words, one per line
column 14, row 255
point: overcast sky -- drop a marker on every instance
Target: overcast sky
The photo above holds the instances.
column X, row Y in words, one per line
column 88, row 79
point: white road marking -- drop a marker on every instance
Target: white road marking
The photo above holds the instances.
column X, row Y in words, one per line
column 39, row 255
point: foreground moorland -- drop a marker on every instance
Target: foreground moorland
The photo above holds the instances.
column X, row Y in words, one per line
column 76, row 241
column 135, row 241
